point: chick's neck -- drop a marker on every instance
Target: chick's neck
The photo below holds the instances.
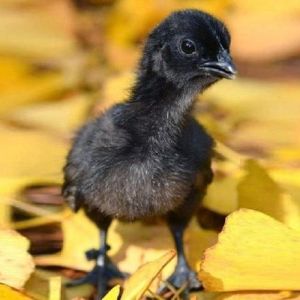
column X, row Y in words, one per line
column 161, row 108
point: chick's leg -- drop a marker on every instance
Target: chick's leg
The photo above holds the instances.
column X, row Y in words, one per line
column 104, row 270
column 178, row 220
column 183, row 275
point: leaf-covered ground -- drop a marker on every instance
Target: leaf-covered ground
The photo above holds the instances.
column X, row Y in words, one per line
column 63, row 62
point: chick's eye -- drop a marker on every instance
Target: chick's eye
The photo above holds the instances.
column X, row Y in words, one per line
column 188, row 47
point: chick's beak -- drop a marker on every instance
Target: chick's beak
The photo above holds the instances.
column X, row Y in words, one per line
column 223, row 67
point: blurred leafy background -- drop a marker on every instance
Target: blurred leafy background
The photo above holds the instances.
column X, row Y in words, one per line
column 63, row 62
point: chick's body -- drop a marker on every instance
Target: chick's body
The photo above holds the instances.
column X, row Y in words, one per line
column 118, row 171
column 148, row 156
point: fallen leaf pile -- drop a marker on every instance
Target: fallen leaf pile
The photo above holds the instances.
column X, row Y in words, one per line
column 63, row 62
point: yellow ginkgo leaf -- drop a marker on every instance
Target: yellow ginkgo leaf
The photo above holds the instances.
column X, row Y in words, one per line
column 136, row 286
column 218, row 201
column 250, row 99
column 290, row 7
column 62, row 116
column 113, row 294
column 141, row 17
column 265, row 137
column 121, row 57
column 254, row 252
column 16, row 264
column 264, row 37
column 287, row 176
column 55, row 284
column 287, row 155
column 28, row 157
column 215, row 7
column 7, row 293
column 196, row 241
column 38, row 33
column 115, row 89
column 21, row 84
column 131, row 244
column 247, row 103
column 257, row 190
column 258, row 295
column 72, row 256
column 30, row 154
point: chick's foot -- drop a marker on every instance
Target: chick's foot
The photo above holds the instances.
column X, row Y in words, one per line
column 101, row 275
column 185, row 277
column 183, row 280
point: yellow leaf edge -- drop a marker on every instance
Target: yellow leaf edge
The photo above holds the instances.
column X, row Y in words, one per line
column 113, row 294
column 211, row 283
column 167, row 258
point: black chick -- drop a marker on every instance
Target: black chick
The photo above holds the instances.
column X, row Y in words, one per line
column 148, row 156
